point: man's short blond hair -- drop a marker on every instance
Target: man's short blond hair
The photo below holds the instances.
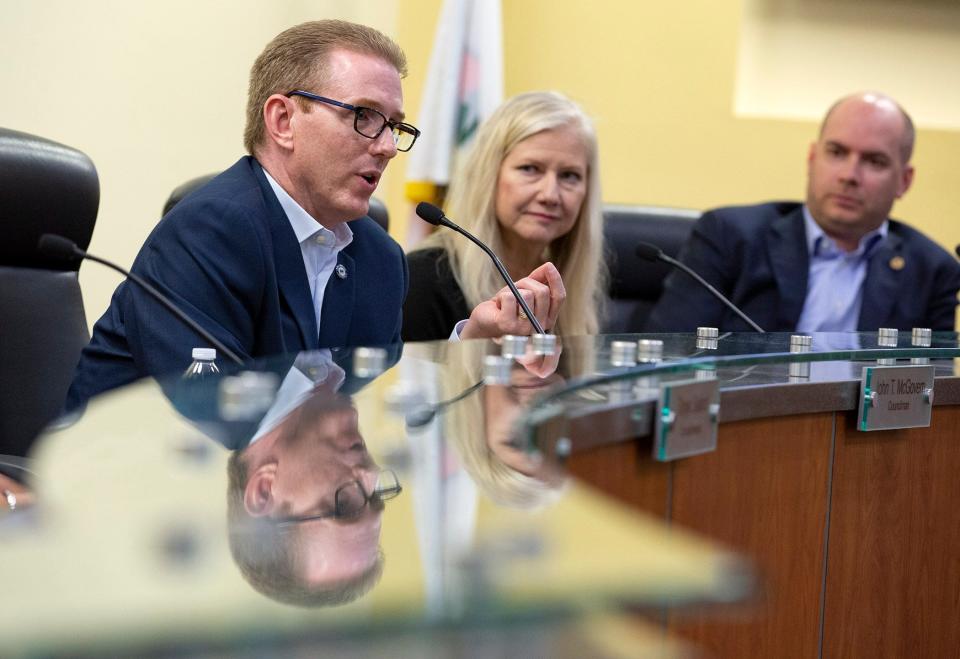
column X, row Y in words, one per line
column 297, row 58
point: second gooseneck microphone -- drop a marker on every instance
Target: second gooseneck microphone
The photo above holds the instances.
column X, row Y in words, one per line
column 433, row 215
column 65, row 249
column 650, row 252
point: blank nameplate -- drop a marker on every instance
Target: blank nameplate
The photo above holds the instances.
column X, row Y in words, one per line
column 687, row 420
column 895, row 397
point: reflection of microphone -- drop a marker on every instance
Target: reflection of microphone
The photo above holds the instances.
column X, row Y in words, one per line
column 423, row 415
column 435, row 216
column 65, row 249
column 650, row 252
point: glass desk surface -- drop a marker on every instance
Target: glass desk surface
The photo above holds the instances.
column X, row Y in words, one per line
column 240, row 508
column 758, row 375
column 246, row 506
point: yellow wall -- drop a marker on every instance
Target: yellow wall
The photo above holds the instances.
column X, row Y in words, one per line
column 907, row 48
column 154, row 93
column 660, row 78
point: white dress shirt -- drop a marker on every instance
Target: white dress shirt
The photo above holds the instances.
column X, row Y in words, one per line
column 318, row 244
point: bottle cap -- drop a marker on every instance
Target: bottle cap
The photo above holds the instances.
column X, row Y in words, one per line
column 496, row 370
column 921, row 336
column 513, row 345
column 649, row 351
column 247, row 395
column 369, row 362
column 887, row 337
column 544, row 344
column 204, row 354
column 623, row 353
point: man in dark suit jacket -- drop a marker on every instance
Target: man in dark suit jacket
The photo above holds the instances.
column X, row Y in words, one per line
column 240, row 256
column 262, row 256
column 836, row 263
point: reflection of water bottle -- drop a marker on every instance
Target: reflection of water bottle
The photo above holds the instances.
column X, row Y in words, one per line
column 204, row 364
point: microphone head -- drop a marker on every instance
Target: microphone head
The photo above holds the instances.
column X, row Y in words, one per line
column 430, row 213
column 956, row 250
column 421, row 416
column 649, row 252
column 58, row 247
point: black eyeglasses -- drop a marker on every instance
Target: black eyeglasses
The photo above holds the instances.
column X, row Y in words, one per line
column 350, row 499
column 369, row 122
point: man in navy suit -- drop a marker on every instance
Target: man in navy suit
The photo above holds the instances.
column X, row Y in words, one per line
column 262, row 256
column 835, row 263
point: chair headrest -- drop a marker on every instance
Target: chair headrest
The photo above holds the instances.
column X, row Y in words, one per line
column 184, row 189
column 45, row 187
column 378, row 211
column 626, row 226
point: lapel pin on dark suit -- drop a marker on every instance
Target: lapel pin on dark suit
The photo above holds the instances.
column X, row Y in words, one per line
column 341, row 271
column 897, row 263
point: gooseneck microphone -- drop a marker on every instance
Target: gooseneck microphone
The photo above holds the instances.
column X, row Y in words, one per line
column 956, row 250
column 433, row 215
column 650, row 252
column 64, row 249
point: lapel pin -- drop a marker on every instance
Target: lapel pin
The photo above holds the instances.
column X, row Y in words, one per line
column 342, row 271
column 897, row 263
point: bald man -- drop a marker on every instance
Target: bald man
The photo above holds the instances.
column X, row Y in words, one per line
column 836, row 263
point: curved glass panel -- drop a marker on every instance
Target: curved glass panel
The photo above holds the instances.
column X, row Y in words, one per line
column 214, row 509
column 826, row 375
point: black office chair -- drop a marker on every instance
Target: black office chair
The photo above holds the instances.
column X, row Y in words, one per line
column 636, row 284
column 45, row 187
column 378, row 210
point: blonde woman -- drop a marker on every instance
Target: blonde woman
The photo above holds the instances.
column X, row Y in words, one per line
column 530, row 189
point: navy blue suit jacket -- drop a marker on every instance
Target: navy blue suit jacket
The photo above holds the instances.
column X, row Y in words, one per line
column 228, row 257
column 757, row 257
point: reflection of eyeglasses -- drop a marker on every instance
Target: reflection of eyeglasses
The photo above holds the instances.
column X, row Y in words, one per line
column 352, row 498
column 369, row 122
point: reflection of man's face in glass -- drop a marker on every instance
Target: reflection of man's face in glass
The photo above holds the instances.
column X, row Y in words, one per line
column 294, row 471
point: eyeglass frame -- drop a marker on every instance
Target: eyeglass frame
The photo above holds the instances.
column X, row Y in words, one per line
column 378, row 494
column 357, row 109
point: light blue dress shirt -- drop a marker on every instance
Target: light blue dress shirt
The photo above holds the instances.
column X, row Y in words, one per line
column 318, row 244
column 835, row 280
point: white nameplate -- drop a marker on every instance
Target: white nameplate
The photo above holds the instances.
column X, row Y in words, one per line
column 686, row 419
column 895, row 397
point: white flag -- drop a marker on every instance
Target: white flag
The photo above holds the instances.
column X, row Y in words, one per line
column 464, row 86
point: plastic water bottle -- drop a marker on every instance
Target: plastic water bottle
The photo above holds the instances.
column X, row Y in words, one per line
column 204, row 364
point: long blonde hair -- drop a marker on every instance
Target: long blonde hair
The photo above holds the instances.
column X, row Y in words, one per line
column 471, row 202
column 466, row 428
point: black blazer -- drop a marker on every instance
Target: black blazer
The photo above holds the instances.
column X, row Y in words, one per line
column 435, row 303
column 757, row 257
column 229, row 258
